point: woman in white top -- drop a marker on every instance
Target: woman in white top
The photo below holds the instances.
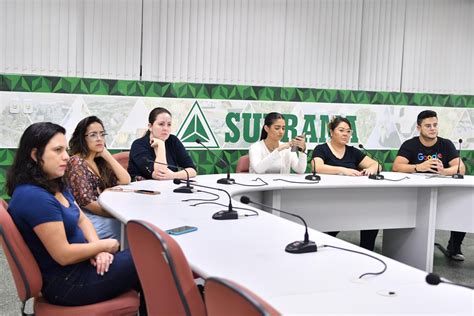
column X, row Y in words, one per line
column 270, row 155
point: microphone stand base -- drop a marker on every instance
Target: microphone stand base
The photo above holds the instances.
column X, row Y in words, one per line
column 313, row 177
column 458, row 176
column 376, row 177
column 224, row 215
column 301, row 247
column 226, row 181
column 184, row 189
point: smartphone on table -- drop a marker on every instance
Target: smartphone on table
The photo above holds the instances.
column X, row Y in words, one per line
column 181, row 230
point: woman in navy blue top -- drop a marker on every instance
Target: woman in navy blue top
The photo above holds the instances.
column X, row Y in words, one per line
column 159, row 145
column 75, row 264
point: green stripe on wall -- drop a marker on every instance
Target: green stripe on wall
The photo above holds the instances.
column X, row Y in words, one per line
column 207, row 163
column 46, row 84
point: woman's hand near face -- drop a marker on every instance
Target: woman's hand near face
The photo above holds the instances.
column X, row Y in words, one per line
column 155, row 143
column 122, row 175
column 105, row 153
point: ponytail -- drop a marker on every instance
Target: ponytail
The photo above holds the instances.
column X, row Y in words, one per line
column 270, row 118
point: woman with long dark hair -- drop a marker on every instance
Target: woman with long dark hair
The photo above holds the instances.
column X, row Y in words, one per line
column 150, row 154
column 270, row 155
column 91, row 170
column 75, row 264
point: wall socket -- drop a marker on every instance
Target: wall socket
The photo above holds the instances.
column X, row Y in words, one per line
column 15, row 108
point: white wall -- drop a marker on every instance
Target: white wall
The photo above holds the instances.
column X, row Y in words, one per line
column 439, row 46
column 235, row 42
column 380, row 45
column 87, row 38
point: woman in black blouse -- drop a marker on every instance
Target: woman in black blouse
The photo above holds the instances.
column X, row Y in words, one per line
column 336, row 157
column 159, row 145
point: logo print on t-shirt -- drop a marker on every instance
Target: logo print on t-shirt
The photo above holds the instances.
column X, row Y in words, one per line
column 423, row 157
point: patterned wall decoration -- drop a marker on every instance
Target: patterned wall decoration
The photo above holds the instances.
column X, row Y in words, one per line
column 206, row 162
column 24, row 83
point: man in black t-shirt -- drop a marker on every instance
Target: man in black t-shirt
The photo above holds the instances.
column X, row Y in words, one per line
column 429, row 153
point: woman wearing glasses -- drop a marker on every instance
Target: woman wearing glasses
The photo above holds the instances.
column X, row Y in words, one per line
column 336, row 157
column 77, row 267
column 91, row 169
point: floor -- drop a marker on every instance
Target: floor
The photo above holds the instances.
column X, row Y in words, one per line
column 460, row 272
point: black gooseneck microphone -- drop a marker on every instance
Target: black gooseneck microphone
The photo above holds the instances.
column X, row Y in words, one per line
column 227, row 180
column 184, row 189
column 221, row 215
column 434, row 279
column 313, row 176
column 297, row 246
column 458, row 174
column 376, row 176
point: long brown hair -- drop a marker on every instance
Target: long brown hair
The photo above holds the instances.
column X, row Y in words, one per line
column 78, row 146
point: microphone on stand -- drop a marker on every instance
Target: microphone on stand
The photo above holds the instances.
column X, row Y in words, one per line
column 434, row 279
column 227, row 180
column 221, row 215
column 313, row 176
column 297, row 246
column 184, row 189
column 376, row 176
column 458, row 174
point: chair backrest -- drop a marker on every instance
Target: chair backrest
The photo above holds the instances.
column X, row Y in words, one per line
column 122, row 158
column 25, row 270
column 243, row 164
column 165, row 275
column 224, row 297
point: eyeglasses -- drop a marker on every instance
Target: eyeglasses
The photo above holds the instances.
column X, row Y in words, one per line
column 342, row 130
column 96, row 135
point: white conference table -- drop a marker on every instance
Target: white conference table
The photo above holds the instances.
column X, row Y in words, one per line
column 409, row 210
column 251, row 252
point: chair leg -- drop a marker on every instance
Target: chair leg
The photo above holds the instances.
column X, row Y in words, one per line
column 23, row 312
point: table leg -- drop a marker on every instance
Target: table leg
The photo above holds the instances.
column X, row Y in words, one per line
column 415, row 246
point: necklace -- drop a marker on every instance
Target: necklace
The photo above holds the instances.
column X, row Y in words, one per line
column 337, row 153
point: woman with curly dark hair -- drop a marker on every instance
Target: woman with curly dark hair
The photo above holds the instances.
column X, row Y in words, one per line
column 91, row 170
column 75, row 264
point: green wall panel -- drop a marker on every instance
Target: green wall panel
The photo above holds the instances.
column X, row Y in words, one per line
column 207, row 163
column 25, row 83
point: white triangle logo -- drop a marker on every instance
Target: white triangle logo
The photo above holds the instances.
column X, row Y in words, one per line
column 195, row 127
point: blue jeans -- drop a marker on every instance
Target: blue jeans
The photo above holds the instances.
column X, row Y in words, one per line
column 106, row 227
column 81, row 285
